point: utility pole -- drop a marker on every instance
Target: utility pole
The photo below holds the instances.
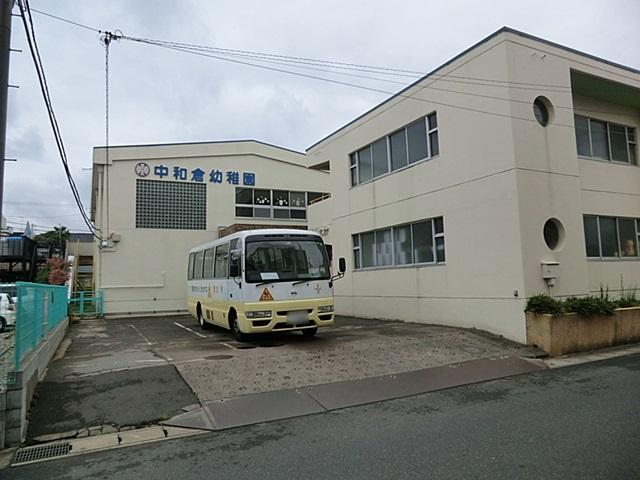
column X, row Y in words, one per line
column 5, row 45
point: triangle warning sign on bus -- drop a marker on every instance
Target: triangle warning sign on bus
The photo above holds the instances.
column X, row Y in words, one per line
column 266, row 296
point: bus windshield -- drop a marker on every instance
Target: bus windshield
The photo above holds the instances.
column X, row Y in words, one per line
column 286, row 260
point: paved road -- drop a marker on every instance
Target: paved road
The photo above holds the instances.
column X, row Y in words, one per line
column 578, row 422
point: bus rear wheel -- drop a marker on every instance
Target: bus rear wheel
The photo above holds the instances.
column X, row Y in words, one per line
column 203, row 323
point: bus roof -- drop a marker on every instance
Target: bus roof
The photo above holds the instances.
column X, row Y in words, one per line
column 246, row 233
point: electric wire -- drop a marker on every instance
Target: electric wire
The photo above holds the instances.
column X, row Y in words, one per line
column 325, row 65
column 35, row 54
column 349, row 84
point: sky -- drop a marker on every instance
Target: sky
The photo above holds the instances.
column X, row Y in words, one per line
column 162, row 96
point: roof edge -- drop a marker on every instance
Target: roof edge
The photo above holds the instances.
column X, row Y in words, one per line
column 211, row 142
column 504, row 29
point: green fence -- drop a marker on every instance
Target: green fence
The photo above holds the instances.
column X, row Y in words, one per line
column 86, row 304
column 39, row 309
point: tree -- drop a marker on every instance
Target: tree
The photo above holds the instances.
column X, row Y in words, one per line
column 54, row 272
column 55, row 238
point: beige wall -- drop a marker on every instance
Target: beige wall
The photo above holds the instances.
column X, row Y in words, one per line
column 146, row 270
column 498, row 178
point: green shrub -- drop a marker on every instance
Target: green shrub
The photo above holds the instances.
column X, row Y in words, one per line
column 589, row 306
column 585, row 306
column 542, row 303
column 628, row 300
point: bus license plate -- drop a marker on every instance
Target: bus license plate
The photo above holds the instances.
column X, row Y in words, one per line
column 297, row 317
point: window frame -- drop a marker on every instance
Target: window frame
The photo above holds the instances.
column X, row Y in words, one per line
column 354, row 160
column 631, row 144
column 618, row 257
column 357, row 246
column 271, row 208
column 215, row 261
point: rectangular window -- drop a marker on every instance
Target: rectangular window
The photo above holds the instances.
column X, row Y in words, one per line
column 262, row 197
column 384, row 247
column 591, row 236
column 618, row 139
column 433, row 135
column 192, row 257
column 365, row 171
column 171, row 205
column 278, row 204
column 422, row 242
column 608, row 236
column 208, row 264
column 415, row 243
column 368, row 249
column 599, row 140
column 222, row 261
column 402, row 245
column 197, row 265
column 611, row 237
column 356, row 251
column 379, row 157
column 411, row 144
column 628, row 237
column 398, row 145
column 417, row 141
column 298, row 199
column 605, row 140
column 244, row 196
column 582, row 136
column 353, row 166
column 280, row 198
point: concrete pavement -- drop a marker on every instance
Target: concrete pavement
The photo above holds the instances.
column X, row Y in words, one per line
column 132, row 363
column 579, row 422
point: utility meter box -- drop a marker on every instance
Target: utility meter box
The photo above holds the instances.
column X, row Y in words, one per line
column 550, row 270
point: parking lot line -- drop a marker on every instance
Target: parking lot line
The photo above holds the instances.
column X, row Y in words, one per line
column 188, row 329
column 143, row 337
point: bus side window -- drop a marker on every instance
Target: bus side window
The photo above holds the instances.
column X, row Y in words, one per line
column 234, row 266
column 329, row 249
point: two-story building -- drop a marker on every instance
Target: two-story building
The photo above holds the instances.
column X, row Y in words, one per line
column 511, row 170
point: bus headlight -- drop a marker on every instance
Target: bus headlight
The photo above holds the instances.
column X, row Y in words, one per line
column 325, row 309
column 258, row 314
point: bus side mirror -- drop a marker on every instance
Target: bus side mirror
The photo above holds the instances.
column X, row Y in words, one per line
column 342, row 265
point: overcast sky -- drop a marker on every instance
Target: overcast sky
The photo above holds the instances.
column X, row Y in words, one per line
column 159, row 96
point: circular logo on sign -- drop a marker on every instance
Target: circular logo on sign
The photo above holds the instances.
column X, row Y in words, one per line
column 142, row 169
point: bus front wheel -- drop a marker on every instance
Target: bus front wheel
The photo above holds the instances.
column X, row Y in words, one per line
column 235, row 330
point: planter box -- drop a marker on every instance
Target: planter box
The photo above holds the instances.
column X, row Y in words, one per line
column 572, row 333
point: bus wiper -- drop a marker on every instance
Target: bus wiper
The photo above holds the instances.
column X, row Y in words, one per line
column 301, row 281
column 263, row 283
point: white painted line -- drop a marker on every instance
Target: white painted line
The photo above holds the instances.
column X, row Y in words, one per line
column 227, row 345
column 143, row 337
column 188, row 329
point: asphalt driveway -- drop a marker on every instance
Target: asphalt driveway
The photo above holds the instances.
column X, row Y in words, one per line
column 137, row 371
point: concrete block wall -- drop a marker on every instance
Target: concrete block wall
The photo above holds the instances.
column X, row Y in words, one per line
column 15, row 401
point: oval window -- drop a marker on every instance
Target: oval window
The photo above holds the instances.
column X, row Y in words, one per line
column 553, row 233
column 540, row 111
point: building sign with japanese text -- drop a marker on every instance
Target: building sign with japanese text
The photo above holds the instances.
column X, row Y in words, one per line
column 232, row 177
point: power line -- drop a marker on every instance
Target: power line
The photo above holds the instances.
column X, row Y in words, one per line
column 314, row 61
column 338, row 82
column 35, row 55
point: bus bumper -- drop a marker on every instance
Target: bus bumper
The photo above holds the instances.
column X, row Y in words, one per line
column 287, row 315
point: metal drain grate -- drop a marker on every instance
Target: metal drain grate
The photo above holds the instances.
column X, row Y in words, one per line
column 41, row 452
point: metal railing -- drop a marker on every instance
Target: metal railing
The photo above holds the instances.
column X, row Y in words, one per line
column 86, row 304
column 39, row 309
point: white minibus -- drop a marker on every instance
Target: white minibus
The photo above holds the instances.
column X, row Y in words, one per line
column 261, row 281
